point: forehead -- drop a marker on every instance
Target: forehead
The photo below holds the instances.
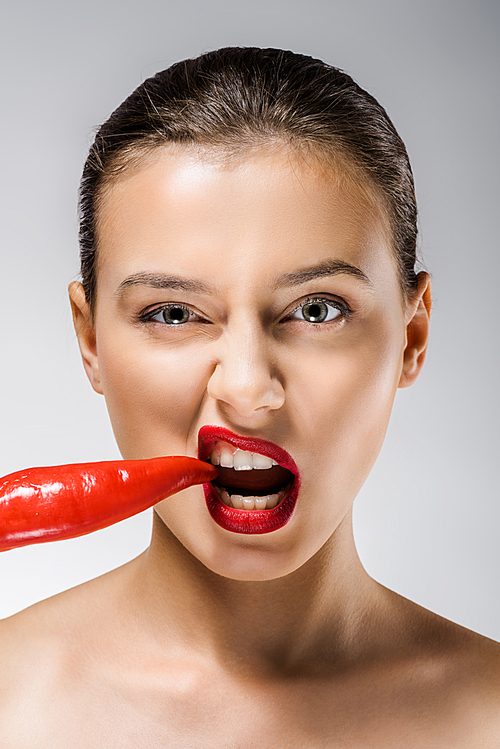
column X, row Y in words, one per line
column 271, row 206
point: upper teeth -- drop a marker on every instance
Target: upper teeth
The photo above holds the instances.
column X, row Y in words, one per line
column 227, row 456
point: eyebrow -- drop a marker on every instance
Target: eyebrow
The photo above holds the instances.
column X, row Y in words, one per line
column 161, row 281
column 325, row 268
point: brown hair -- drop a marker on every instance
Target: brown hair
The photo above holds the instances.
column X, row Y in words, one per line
column 236, row 98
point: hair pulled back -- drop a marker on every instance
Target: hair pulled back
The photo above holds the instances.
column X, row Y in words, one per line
column 237, row 98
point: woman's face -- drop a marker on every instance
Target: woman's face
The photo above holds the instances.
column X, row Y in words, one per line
column 261, row 296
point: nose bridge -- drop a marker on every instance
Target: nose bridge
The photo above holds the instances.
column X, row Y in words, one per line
column 246, row 376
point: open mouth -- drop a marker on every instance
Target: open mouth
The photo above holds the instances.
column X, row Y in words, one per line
column 249, row 481
column 257, row 486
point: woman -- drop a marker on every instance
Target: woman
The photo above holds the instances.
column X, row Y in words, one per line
column 248, row 296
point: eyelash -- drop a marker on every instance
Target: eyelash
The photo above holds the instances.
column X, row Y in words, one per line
column 148, row 316
column 343, row 309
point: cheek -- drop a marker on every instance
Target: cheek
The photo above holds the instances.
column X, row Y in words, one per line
column 153, row 396
column 345, row 399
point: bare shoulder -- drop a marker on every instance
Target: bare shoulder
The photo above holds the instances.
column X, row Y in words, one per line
column 48, row 658
column 31, row 645
column 33, row 661
column 42, row 631
column 454, row 672
column 473, row 665
column 465, row 652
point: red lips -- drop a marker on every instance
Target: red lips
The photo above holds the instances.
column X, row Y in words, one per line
column 248, row 521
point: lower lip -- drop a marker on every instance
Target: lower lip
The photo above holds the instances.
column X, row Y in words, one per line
column 251, row 521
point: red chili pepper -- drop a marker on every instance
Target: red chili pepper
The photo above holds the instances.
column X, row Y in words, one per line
column 56, row 502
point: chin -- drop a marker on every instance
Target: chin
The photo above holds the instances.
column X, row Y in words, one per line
column 246, row 567
column 256, row 558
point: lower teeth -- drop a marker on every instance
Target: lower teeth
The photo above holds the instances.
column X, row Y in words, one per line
column 251, row 503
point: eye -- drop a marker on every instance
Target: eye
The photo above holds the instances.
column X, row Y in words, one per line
column 319, row 310
column 173, row 314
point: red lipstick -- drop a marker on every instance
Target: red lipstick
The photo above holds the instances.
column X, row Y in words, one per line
column 248, row 521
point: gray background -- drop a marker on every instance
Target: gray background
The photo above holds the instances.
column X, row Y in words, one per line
column 428, row 519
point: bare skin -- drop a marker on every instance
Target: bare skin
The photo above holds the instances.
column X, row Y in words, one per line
column 218, row 639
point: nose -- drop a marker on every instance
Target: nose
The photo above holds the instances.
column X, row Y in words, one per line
column 246, row 382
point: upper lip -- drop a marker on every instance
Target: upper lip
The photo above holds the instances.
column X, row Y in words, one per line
column 208, row 436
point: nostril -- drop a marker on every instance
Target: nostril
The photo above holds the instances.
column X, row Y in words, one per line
column 246, row 406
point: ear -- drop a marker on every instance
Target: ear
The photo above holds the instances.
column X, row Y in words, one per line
column 417, row 331
column 82, row 320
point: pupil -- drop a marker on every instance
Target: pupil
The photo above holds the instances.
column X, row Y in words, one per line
column 175, row 315
column 316, row 312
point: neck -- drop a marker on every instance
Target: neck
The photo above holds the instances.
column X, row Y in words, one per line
column 315, row 614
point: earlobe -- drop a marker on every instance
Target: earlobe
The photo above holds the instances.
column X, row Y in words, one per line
column 417, row 331
column 84, row 328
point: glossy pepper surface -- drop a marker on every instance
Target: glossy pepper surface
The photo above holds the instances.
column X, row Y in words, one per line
column 58, row 502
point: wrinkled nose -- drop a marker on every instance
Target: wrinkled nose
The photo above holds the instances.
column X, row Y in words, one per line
column 246, row 382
